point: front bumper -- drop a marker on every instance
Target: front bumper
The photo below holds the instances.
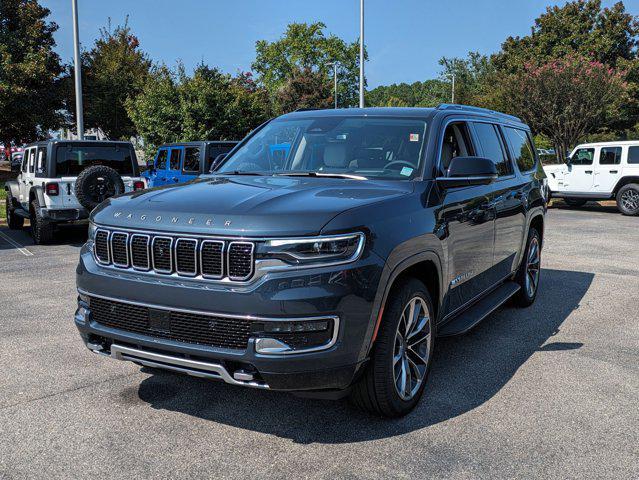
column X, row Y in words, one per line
column 344, row 293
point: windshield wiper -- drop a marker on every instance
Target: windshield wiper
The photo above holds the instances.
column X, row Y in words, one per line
column 320, row 174
column 240, row 172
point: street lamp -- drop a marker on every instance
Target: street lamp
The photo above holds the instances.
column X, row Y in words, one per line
column 334, row 65
column 452, row 93
column 361, row 53
column 78, row 74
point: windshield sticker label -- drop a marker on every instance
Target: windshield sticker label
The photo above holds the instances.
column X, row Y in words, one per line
column 406, row 171
column 414, row 137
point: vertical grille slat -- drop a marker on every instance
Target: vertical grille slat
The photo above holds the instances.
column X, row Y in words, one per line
column 101, row 247
column 140, row 258
column 211, row 259
column 186, row 256
column 120, row 249
column 189, row 257
column 240, row 260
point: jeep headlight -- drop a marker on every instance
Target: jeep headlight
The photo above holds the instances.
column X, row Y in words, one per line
column 314, row 251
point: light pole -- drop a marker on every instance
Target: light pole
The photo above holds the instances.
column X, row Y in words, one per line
column 334, row 65
column 361, row 53
column 78, row 74
column 452, row 93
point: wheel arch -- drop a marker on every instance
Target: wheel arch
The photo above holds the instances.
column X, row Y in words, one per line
column 623, row 181
column 36, row 192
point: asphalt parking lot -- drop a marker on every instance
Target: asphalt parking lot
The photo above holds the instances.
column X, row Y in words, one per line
column 550, row 391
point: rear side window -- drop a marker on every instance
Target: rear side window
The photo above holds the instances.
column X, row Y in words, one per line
column 175, row 158
column 41, row 165
column 610, row 156
column 521, row 148
column 192, row 159
column 583, row 156
column 161, row 163
column 492, row 147
column 633, row 155
column 71, row 160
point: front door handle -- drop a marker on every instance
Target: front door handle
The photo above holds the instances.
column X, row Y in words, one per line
column 614, row 171
column 588, row 172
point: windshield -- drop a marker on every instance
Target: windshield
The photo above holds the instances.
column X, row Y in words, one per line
column 333, row 146
column 71, row 160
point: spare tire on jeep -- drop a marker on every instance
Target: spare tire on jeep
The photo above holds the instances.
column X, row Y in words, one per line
column 96, row 184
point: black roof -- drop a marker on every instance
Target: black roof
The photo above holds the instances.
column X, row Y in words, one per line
column 202, row 142
column 55, row 141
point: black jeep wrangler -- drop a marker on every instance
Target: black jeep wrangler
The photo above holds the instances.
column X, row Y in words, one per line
column 325, row 256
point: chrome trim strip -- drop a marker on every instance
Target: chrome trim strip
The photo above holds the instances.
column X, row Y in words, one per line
column 222, row 259
column 108, row 246
column 160, row 270
column 148, row 252
column 195, row 262
column 126, row 248
column 184, row 365
column 252, row 261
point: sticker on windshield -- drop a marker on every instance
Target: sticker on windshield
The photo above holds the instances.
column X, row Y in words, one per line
column 414, row 137
column 406, row 171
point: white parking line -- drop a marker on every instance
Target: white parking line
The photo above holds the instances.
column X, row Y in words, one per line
column 13, row 243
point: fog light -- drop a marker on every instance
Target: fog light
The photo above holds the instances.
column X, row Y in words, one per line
column 295, row 327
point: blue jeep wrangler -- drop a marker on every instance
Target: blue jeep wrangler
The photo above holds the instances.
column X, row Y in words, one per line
column 181, row 162
column 329, row 269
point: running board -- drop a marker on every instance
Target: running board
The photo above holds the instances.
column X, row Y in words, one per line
column 477, row 312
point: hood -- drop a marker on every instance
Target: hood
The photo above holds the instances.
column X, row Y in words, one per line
column 245, row 205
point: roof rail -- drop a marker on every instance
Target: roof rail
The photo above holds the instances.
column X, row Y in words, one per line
column 468, row 108
column 305, row 109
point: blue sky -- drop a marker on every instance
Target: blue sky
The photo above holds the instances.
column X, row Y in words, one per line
column 405, row 38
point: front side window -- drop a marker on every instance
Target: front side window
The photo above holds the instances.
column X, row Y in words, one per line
column 32, row 154
column 583, row 156
column 25, row 161
column 522, row 148
column 175, row 158
column 456, row 143
column 610, row 156
column 71, row 160
column 633, row 155
column 191, row 160
column 161, row 161
column 377, row 147
column 493, row 148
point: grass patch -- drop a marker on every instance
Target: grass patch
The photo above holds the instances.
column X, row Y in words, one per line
column 3, row 195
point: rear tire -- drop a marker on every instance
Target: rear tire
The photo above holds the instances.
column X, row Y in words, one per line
column 14, row 222
column 41, row 229
column 628, row 199
column 529, row 274
column 394, row 379
column 575, row 202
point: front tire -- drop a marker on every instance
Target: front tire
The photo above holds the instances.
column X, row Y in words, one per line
column 41, row 228
column 14, row 222
column 628, row 199
column 529, row 273
column 396, row 375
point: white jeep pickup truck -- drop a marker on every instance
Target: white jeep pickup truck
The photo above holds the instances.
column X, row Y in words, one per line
column 61, row 181
column 599, row 171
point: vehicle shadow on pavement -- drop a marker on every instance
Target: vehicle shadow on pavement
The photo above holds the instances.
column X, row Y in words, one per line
column 72, row 235
column 467, row 371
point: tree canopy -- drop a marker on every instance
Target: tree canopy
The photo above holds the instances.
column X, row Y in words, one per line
column 30, row 93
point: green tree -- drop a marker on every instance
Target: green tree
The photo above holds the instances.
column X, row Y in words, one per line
column 114, row 70
column 565, row 99
column 429, row 93
column 30, row 93
column 306, row 46
column 304, row 89
column 474, row 78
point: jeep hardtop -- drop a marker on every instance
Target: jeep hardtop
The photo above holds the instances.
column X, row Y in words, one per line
column 61, row 181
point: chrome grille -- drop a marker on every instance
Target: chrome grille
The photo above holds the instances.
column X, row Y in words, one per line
column 240, row 260
column 186, row 256
column 101, row 247
column 120, row 249
column 140, row 257
column 189, row 257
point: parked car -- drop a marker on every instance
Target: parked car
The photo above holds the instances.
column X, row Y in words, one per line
column 181, row 162
column 599, row 171
column 61, row 181
column 331, row 270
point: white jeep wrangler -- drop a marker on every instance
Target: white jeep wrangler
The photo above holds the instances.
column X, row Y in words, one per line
column 599, row 171
column 61, row 181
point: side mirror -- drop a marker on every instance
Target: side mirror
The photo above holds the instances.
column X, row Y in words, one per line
column 150, row 165
column 217, row 162
column 466, row 171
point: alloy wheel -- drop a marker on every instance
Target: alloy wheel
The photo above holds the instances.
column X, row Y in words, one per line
column 630, row 200
column 413, row 340
column 533, row 263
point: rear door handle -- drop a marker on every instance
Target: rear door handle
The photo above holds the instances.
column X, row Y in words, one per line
column 614, row 171
column 588, row 172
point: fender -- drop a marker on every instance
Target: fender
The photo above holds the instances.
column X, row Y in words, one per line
column 388, row 277
column 13, row 193
column 37, row 192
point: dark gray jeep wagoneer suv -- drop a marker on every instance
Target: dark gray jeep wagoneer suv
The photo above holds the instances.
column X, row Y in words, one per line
column 325, row 255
